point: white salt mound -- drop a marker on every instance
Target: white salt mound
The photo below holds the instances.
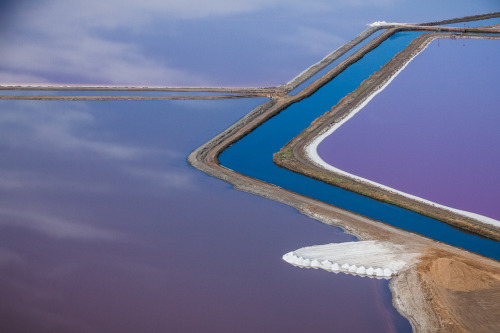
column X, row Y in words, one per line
column 361, row 270
column 366, row 258
column 326, row 263
column 315, row 263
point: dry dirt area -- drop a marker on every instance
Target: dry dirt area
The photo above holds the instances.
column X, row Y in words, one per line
column 459, row 294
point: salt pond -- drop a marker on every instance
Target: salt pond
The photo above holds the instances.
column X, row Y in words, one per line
column 104, row 227
column 432, row 132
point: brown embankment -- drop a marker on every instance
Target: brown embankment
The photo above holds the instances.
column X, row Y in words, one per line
column 464, row 19
column 127, row 98
column 314, row 69
column 293, row 155
column 136, row 88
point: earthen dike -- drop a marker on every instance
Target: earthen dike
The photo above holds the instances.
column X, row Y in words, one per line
column 448, row 289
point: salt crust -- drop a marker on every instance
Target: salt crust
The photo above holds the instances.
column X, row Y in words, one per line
column 295, row 260
column 364, row 258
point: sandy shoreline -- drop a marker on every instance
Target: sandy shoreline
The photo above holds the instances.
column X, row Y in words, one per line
column 423, row 290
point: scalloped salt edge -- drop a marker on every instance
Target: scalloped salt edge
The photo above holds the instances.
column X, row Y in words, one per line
column 365, row 258
column 293, row 259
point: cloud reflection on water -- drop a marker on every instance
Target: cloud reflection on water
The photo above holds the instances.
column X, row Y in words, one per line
column 67, row 129
column 154, row 251
column 48, row 150
column 192, row 42
column 53, row 226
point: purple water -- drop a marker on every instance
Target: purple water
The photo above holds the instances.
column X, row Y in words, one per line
column 104, row 227
column 196, row 42
column 433, row 131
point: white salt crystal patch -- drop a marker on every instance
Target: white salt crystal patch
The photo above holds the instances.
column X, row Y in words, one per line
column 335, row 267
column 353, row 268
column 315, row 263
column 326, row 263
column 379, row 271
column 387, row 272
column 345, row 266
column 361, row 270
column 292, row 259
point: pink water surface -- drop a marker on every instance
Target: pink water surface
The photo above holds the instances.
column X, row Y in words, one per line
column 104, row 227
column 433, row 132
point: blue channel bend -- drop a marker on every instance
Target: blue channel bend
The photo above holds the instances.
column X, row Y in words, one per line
column 252, row 155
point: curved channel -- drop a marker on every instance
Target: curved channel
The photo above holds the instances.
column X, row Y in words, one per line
column 252, row 155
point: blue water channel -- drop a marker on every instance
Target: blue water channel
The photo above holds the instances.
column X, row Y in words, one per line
column 252, row 155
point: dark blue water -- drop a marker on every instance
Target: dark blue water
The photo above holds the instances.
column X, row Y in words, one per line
column 253, row 155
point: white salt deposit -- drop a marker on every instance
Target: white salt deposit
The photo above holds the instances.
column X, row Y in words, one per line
column 384, row 23
column 383, row 259
column 326, row 263
column 361, row 270
column 315, row 263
